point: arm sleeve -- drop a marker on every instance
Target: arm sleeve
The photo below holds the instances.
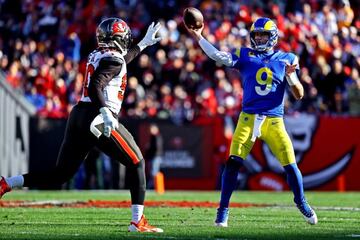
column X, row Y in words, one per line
column 107, row 69
column 216, row 55
column 132, row 53
column 293, row 78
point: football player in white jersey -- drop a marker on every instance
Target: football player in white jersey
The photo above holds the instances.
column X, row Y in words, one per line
column 93, row 122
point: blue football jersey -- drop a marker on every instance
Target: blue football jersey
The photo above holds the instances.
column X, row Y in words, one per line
column 263, row 78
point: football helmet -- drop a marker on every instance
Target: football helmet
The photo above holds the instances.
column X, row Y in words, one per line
column 264, row 25
column 114, row 33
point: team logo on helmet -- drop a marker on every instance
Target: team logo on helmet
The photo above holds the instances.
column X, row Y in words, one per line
column 119, row 27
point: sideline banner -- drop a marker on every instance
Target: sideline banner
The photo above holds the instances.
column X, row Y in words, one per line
column 187, row 155
column 182, row 152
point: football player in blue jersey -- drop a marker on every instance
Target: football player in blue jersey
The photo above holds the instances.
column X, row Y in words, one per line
column 265, row 73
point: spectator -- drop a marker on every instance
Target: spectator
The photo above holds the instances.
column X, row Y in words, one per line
column 43, row 42
column 154, row 154
column 38, row 100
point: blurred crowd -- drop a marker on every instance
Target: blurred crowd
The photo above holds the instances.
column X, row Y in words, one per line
column 44, row 47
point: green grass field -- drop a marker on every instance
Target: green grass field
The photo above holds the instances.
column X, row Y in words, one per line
column 338, row 213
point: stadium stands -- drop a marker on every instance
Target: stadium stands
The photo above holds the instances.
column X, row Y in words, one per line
column 44, row 45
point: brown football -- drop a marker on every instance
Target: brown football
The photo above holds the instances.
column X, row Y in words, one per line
column 193, row 18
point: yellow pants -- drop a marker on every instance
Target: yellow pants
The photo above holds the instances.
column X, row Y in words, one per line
column 273, row 133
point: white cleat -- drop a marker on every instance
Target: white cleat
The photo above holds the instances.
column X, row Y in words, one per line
column 311, row 220
column 222, row 215
column 308, row 213
column 221, row 224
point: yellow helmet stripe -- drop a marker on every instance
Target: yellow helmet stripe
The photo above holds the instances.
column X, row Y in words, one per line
column 268, row 25
column 252, row 27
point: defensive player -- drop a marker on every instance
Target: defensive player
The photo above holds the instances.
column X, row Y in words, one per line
column 265, row 72
column 94, row 120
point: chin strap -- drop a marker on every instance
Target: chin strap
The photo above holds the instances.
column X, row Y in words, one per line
column 123, row 51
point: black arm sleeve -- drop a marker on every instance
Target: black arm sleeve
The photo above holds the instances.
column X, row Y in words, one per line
column 132, row 53
column 107, row 69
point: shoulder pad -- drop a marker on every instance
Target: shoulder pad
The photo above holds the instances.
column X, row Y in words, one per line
column 248, row 52
column 113, row 60
column 293, row 58
column 111, row 54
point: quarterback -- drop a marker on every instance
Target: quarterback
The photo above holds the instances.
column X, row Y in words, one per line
column 93, row 122
column 265, row 73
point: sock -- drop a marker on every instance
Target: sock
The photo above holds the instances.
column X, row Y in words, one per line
column 14, row 182
column 295, row 181
column 229, row 179
column 136, row 212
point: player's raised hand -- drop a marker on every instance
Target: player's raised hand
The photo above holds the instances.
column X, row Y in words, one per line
column 150, row 36
column 195, row 32
column 290, row 68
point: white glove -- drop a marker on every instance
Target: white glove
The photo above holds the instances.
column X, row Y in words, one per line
column 150, row 38
column 110, row 123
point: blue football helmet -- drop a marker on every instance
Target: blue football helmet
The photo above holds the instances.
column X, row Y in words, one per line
column 264, row 25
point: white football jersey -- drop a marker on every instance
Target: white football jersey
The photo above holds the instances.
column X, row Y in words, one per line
column 115, row 90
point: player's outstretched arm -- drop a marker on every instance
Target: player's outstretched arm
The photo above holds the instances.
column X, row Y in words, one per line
column 218, row 56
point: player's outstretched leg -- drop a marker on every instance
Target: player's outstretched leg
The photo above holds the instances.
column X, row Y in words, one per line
column 228, row 185
column 294, row 178
column 4, row 187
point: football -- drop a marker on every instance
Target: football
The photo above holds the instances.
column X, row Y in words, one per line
column 193, row 18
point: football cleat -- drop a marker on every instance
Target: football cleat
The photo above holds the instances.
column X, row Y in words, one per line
column 143, row 226
column 222, row 216
column 307, row 212
column 4, row 187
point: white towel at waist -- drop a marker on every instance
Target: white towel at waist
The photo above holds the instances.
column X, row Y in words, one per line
column 258, row 122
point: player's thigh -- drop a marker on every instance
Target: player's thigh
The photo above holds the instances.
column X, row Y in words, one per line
column 279, row 141
column 241, row 143
column 121, row 146
column 73, row 151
